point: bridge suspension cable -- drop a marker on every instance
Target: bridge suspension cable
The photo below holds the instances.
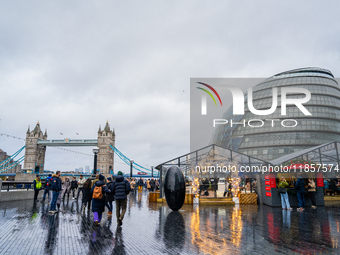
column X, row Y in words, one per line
column 6, row 161
column 14, row 164
column 5, row 164
column 126, row 160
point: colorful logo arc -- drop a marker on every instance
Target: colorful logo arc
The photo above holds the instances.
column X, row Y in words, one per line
column 213, row 90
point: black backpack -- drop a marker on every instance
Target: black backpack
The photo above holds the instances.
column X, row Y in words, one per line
column 48, row 183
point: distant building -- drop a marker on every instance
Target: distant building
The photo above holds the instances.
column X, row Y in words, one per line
column 87, row 169
column 81, row 169
column 4, row 156
column 76, row 170
column 268, row 143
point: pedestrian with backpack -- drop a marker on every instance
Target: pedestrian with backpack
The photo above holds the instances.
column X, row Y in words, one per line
column 98, row 199
column 56, row 188
column 121, row 189
column 47, row 187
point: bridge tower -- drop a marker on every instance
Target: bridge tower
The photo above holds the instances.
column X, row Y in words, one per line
column 106, row 137
column 34, row 152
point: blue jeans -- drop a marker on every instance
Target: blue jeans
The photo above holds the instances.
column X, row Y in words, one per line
column 54, row 200
column 109, row 205
column 46, row 191
column 301, row 199
column 285, row 200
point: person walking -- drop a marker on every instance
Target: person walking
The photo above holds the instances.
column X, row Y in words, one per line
column 133, row 184
column 67, row 188
column 283, row 185
column 56, row 188
column 312, row 191
column 81, row 182
column 140, row 184
column 98, row 199
column 152, row 184
column 74, row 186
column 87, row 198
column 37, row 187
column 109, row 196
column 47, row 187
column 121, row 188
column 59, row 201
column 300, row 192
column 148, row 186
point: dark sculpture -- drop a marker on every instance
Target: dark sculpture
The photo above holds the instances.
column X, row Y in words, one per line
column 174, row 188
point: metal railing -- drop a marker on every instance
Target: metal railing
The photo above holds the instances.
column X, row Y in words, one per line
column 18, row 185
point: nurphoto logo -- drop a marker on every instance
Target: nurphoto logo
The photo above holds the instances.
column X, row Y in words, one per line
column 239, row 103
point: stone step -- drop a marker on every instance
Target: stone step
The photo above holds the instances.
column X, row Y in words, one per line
column 215, row 199
column 214, row 202
column 332, row 198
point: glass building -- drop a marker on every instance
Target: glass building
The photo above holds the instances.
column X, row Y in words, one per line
column 268, row 143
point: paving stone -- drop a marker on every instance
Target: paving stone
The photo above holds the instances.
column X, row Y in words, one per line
column 151, row 228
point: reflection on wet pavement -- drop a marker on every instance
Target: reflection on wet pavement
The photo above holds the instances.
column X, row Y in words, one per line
column 151, row 228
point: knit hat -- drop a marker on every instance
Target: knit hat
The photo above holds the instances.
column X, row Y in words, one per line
column 50, row 175
column 120, row 173
column 101, row 177
column 109, row 178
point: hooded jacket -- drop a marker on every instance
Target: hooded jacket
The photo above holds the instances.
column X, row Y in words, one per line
column 300, row 185
column 110, row 196
column 81, row 182
column 98, row 205
column 121, row 188
column 67, row 186
column 311, row 186
column 56, row 183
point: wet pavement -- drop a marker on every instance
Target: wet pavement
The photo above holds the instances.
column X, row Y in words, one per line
column 151, row 228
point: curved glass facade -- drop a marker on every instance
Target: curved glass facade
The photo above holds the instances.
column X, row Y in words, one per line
column 269, row 142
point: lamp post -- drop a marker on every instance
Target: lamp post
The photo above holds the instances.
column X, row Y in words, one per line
column 95, row 151
column 131, row 164
column 151, row 171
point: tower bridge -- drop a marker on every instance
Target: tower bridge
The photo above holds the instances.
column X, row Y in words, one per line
column 36, row 143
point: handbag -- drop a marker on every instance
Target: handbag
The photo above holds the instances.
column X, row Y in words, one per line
column 282, row 190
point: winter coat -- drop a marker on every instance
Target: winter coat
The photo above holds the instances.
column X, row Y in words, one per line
column 56, row 183
column 110, row 196
column 311, row 187
column 152, row 184
column 121, row 188
column 59, row 199
column 35, row 183
column 87, row 196
column 283, row 184
column 98, row 205
column 148, row 184
column 140, row 182
column 332, row 185
column 133, row 184
column 81, row 183
column 300, row 185
column 67, row 186
column 74, row 184
column 94, row 181
column 326, row 184
column 48, row 183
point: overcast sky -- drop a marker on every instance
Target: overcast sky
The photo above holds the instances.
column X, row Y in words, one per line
column 73, row 65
